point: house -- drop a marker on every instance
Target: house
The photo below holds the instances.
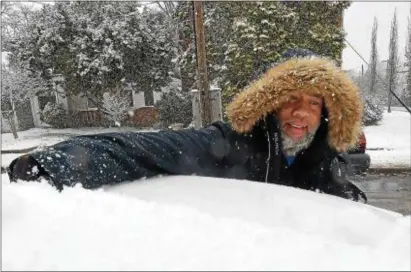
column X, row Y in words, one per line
column 84, row 113
column 27, row 113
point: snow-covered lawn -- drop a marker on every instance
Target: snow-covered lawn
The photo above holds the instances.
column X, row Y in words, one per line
column 389, row 143
column 38, row 137
column 184, row 223
column 42, row 136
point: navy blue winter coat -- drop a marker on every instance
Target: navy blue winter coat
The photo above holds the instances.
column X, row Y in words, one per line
column 248, row 147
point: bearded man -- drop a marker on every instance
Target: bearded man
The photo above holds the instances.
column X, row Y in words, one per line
column 288, row 127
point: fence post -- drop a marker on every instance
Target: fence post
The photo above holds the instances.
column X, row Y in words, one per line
column 216, row 106
column 195, row 99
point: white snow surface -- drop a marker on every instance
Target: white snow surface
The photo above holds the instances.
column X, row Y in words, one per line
column 48, row 136
column 196, row 223
column 389, row 143
column 39, row 137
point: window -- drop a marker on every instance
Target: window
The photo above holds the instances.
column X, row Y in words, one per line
column 91, row 101
column 128, row 94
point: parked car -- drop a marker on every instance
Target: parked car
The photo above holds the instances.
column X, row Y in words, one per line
column 359, row 161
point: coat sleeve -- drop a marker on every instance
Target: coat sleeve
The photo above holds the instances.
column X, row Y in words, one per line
column 337, row 182
column 95, row 160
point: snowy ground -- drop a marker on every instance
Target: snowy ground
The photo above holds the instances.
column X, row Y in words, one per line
column 389, row 143
column 43, row 136
column 38, row 137
column 185, row 223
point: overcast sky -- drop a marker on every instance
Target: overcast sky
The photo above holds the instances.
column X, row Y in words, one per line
column 358, row 21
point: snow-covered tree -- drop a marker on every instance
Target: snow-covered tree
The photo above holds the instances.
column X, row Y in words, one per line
column 220, row 17
column 373, row 109
column 371, row 84
column 16, row 21
column 18, row 85
column 320, row 26
column 55, row 115
column 186, row 58
column 374, row 57
column 114, row 106
column 373, row 113
column 259, row 38
column 171, row 25
column 407, row 93
column 153, row 68
column 98, row 47
column 168, row 111
column 392, row 64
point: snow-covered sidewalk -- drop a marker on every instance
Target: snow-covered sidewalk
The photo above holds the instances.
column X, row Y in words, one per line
column 43, row 136
column 389, row 143
column 38, row 137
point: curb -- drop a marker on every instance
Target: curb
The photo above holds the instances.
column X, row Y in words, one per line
column 18, row 151
column 390, row 170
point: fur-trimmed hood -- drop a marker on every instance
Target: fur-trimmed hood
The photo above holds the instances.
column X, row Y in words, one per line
column 313, row 76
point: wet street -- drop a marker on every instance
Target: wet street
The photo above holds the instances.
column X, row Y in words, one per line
column 389, row 191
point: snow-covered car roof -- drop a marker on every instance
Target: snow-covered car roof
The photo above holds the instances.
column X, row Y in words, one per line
column 180, row 223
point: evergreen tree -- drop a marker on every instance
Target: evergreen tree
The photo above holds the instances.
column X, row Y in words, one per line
column 407, row 93
column 373, row 110
column 187, row 52
column 260, row 36
column 320, row 26
column 374, row 56
column 372, row 85
column 392, row 64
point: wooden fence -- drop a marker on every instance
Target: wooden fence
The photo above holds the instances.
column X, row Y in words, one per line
column 140, row 117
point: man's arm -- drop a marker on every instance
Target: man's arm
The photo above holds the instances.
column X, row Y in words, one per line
column 95, row 160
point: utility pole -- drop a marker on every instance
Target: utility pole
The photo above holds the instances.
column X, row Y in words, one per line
column 202, row 80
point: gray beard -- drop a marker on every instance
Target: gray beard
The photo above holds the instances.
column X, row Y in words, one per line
column 291, row 147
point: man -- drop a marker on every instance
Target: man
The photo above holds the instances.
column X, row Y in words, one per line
column 288, row 127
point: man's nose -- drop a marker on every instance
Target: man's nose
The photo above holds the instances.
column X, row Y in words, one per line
column 301, row 111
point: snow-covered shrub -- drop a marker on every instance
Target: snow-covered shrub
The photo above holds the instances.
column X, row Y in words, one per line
column 115, row 107
column 55, row 115
column 175, row 108
column 373, row 112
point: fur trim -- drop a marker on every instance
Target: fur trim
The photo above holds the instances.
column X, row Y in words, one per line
column 313, row 76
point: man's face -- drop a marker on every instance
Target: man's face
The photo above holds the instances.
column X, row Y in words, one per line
column 300, row 115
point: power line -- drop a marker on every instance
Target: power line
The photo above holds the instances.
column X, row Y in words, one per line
column 399, row 100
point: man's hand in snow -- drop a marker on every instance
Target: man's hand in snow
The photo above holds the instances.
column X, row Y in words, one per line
column 28, row 169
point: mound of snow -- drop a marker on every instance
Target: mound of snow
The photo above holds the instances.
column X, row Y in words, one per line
column 176, row 223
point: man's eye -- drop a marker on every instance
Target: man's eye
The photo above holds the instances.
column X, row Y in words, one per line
column 316, row 103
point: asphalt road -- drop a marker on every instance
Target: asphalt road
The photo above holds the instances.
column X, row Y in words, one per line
column 388, row 191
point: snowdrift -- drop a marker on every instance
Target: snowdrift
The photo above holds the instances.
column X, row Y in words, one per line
column 185, row 223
